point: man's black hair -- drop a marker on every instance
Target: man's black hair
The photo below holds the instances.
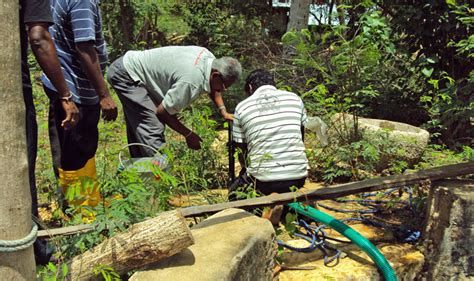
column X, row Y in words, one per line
column 258, row 78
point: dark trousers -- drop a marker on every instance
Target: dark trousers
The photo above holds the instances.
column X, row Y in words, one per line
column 42, row 251
column 139, row 108
column 31, row 141
column 72, row 148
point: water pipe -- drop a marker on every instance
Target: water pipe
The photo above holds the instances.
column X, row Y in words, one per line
column 364, row 244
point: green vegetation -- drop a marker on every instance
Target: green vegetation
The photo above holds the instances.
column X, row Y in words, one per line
column 388, row 61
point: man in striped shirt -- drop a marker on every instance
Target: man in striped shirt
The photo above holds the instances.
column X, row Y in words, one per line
column 77, row 34
column 268, row 127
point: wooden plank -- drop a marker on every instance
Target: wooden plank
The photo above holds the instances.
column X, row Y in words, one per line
column 330, row 192
column 68, row 230
column 339, row 190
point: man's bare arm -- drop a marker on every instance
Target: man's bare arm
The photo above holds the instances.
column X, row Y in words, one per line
column 192, row 140
column 216, row 97
column 91, row 67
column 45, row 53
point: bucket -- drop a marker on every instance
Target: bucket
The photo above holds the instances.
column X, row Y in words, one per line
column 144, row 166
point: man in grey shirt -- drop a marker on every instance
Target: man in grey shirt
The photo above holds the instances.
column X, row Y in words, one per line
column 153, row 85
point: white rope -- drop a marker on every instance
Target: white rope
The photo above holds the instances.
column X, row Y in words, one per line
column 10, row 246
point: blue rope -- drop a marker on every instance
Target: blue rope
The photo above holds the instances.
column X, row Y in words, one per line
column 313, row 238
column 323, row 245
column 367, row 211
column 374, row 208
column 316, row 235
column 403, row 234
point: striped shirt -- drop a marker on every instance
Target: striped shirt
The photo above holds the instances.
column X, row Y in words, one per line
column 269, row 122
column 77, row 21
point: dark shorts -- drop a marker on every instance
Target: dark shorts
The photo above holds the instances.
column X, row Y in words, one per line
column 269, row 187
column 266, row 188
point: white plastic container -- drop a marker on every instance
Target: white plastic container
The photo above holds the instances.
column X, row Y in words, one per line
column 315, row 124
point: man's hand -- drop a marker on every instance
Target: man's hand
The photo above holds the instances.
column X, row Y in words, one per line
column 91, row 66
column 109, row 109
column 72, row 114
column 227, row 116
column 193, row 141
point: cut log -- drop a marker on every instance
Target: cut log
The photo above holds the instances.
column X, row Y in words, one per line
column 449, row 236
column 143, row 243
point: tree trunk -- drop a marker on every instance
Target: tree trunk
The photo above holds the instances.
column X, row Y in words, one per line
column 15, row 198
column 340, row 12
column 449, row 231
column 331, row 6
column 299, row 15
column 126, row 21
column 144, row 243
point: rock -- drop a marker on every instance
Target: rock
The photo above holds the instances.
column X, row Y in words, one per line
column 406, row 143
column 230, row 245
column 449, row 231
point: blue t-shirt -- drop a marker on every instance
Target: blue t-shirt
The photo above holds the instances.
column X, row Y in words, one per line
column 77, row 21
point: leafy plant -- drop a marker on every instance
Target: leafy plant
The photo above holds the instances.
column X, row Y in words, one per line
column 438, row 155
column 107, row 272
column 202, row 169
column 290, row 219
column 52, row 272
column 347, row 158
column 340, row 74
column 437, row 34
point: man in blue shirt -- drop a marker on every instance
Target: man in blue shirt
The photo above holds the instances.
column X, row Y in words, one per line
column 77, row 34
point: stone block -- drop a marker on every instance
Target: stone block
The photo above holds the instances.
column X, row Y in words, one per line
column 230, row 245
column 449, row 236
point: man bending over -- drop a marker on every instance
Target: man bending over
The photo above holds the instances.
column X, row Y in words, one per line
column 154, row 85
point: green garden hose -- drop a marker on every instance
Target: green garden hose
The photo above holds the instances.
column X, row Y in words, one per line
column 354, row 236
